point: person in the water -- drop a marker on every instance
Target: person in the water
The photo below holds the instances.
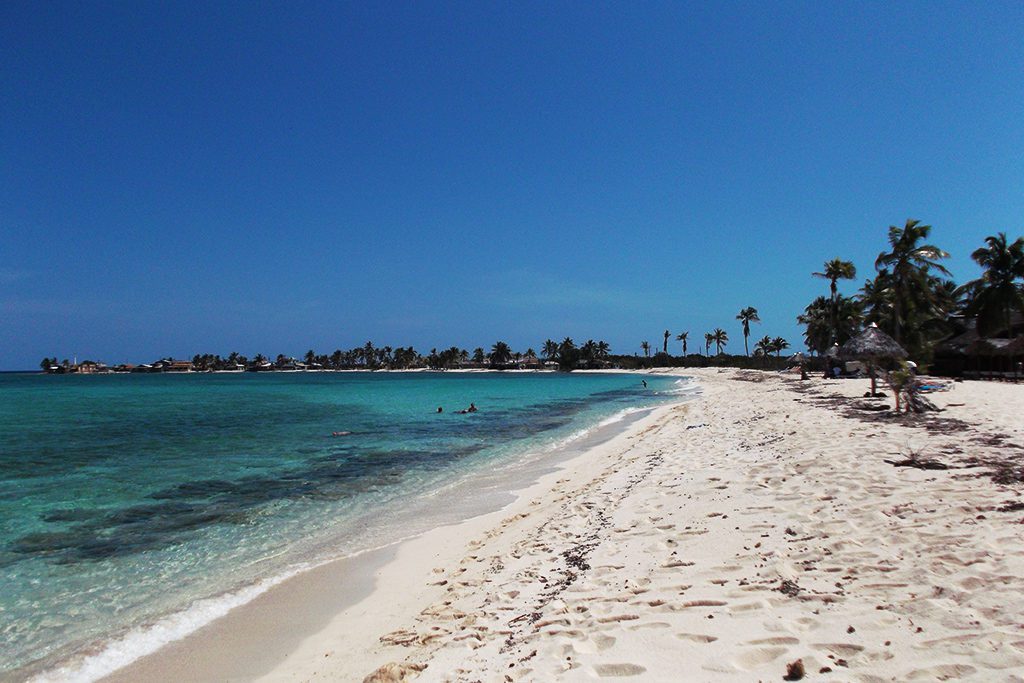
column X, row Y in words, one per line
column 645, row 383
column 471, row 409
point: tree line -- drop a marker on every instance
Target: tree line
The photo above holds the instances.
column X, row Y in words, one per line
column 912, row 296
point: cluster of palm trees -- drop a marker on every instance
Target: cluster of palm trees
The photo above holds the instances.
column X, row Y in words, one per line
column 591, row 354
column 720, row 338
column 566, row 354
column 912, row 297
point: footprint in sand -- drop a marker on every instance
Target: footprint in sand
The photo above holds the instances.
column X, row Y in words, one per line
column 942, row 672
column 697, row 637
column 777, row 640
column 841, row 649
column 758, row 657
column 610, row 670
column 704, row 603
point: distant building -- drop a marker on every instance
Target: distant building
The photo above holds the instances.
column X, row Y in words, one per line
column 172, row 365
column 968, row 354
column 89, row 367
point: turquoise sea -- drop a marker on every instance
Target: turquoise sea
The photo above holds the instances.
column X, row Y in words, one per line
column 133, row 509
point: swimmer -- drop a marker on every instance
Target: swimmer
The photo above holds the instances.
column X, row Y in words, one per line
column 440, row 409
column 645, row 383
column 471, row 408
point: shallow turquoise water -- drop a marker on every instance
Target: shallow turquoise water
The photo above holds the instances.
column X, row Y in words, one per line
column 124, row 498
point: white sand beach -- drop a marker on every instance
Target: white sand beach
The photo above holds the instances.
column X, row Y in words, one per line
column 754, row 532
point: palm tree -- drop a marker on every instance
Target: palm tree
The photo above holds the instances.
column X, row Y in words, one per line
column 835, row 270
column 778, row 344
column 818, row 318
column 721, row 338
column 550, row 349
column 478, row 355
column 683, row 336
column 500, row 353
column 709, row 339
column 664, row 344
column 996, row 294
column 910, row 263
column 603, row 349
column 876, row 298
column 763, row 346
column 646, row 346
column 567, row 354
column 746, row 316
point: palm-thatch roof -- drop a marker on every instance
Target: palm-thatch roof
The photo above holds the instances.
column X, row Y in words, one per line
column 1016, row 347
column 996, row 347
column 872, row 344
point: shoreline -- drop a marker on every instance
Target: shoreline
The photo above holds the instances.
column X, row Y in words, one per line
column 722, row 539
column 177, row 639
column 245, row 645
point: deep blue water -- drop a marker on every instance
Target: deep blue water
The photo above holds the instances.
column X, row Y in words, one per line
column 124, row 498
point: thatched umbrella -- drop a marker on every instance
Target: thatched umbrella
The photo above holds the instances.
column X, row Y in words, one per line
column 872, row 346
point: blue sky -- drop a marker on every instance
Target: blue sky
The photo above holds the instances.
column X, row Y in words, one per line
column 270, row 177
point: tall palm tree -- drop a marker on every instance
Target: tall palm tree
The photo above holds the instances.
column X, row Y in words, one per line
column 664, row 344
column 646, row 346
column 550, row 349
column 683, row 336
column 997, row 293
column 909, row 262
column 835, row 270
column 603, row 349
column 721, row 338
column 746, row 316
column 709, row 339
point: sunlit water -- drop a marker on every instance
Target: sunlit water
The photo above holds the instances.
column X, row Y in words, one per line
column 124, row 499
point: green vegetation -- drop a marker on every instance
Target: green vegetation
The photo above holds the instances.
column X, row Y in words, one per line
column 911, row 297
column 997, row 293
column 746, row 316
